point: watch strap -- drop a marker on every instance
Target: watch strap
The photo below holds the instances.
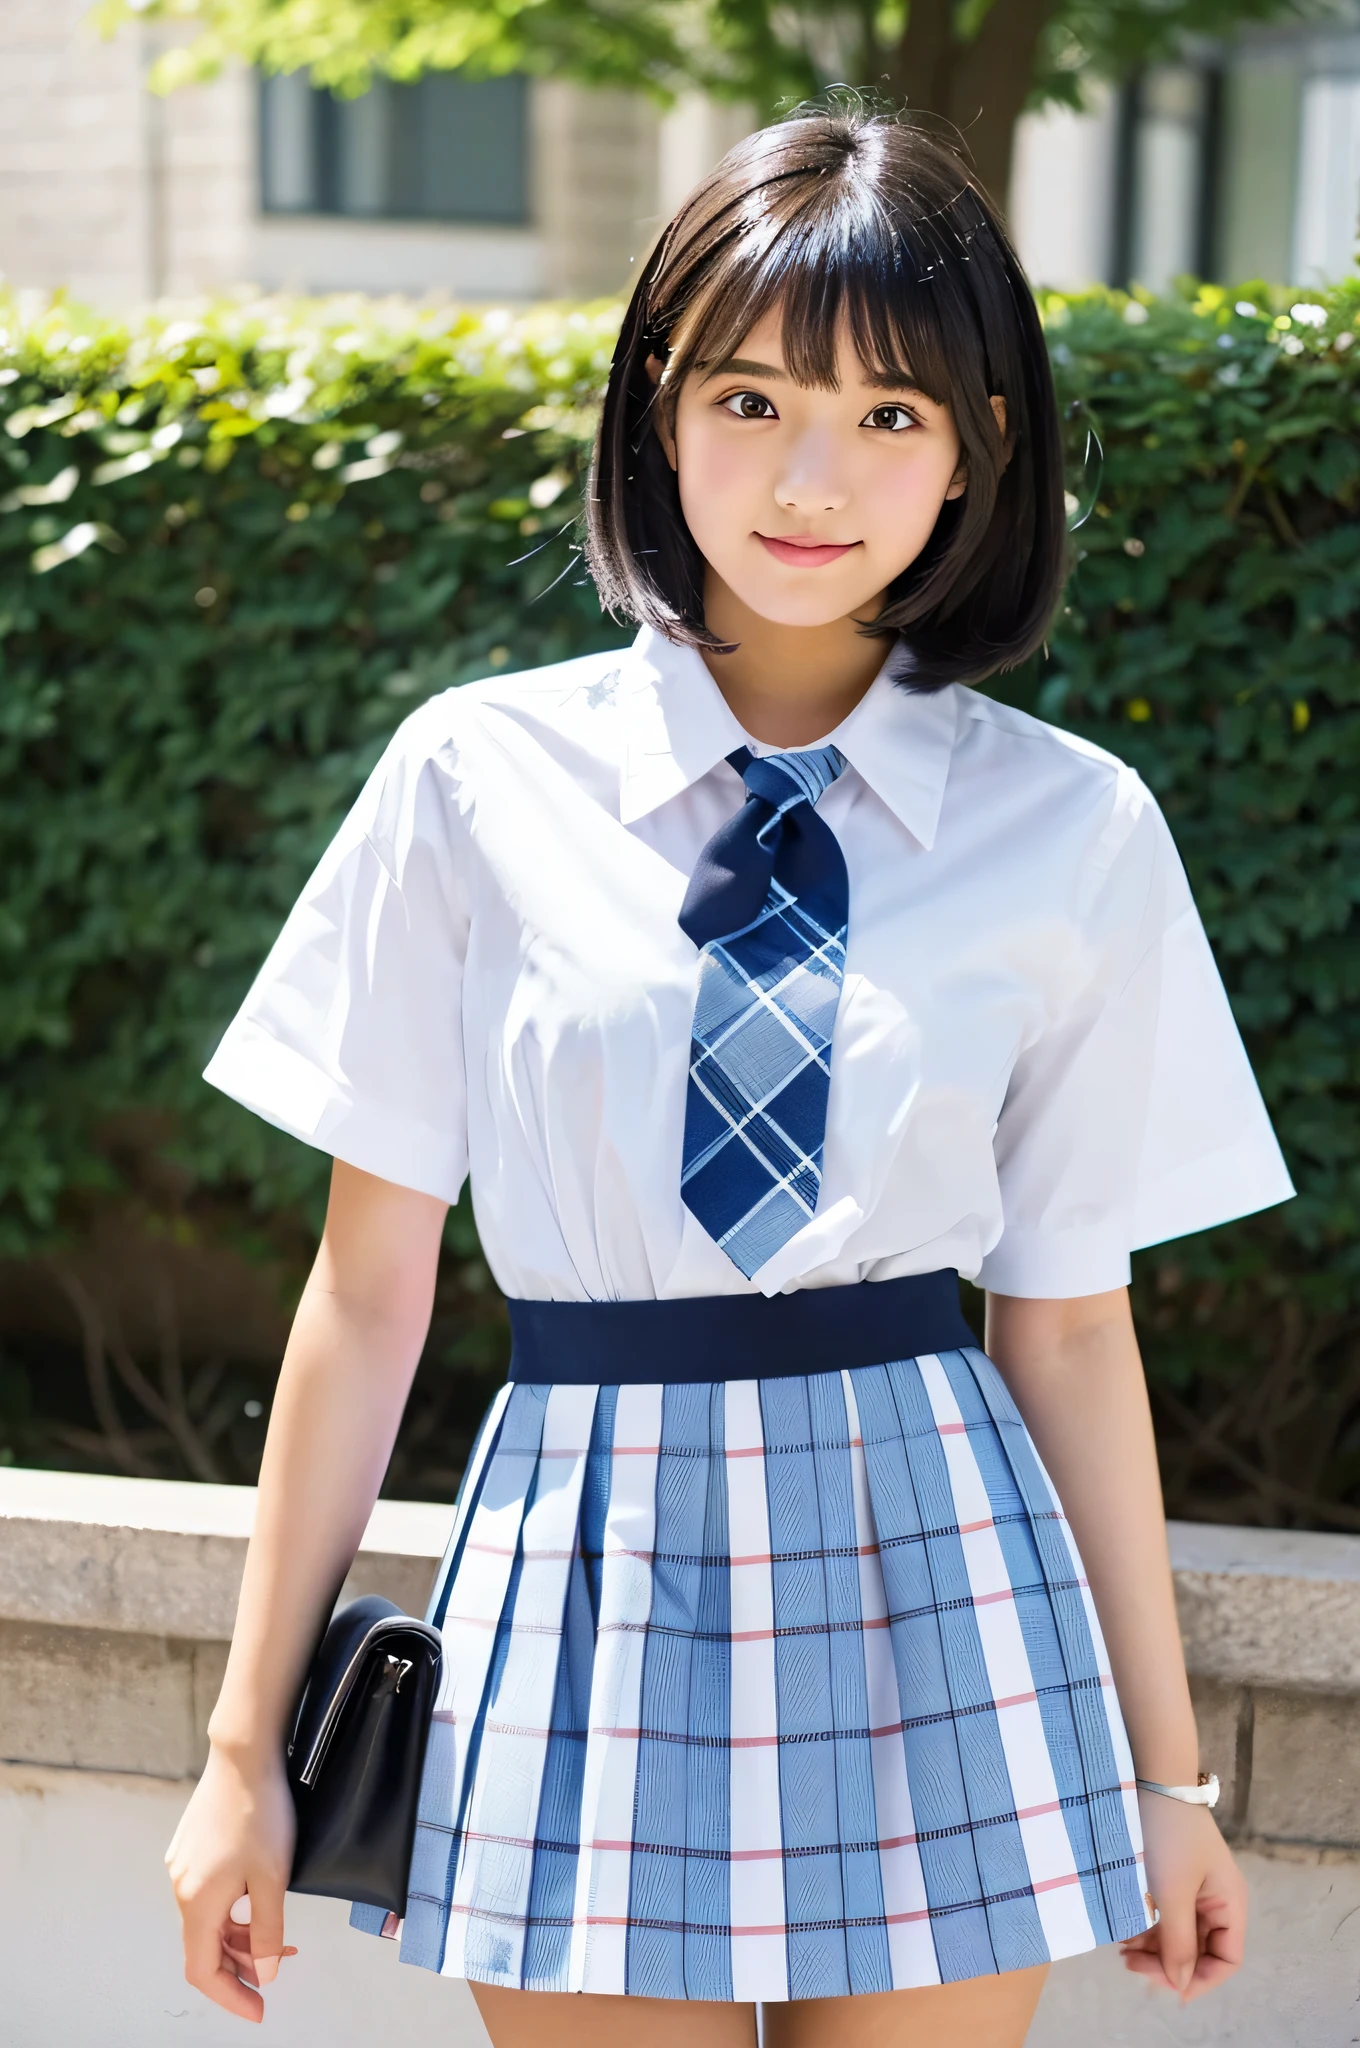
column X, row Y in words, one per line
column 1204, row 1792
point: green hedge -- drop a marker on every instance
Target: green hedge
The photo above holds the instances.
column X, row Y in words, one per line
column 236, row 548
column 1210, row 637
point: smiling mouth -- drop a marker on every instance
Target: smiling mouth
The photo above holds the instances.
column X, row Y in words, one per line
column 806, row 554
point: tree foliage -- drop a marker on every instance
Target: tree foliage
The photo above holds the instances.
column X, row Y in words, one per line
column 975, row 63
column 236, row 549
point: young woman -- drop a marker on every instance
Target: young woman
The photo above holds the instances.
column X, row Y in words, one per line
column 764, row 977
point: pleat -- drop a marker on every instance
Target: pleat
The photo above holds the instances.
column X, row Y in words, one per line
column 1001, row 1586
column 621, row 1503
column 467, row 1607
column 925, row 1708
column 867, row 1962
column 557, row 1841
column 759, row 1922
column 708, row 1894
column 911, row 1944
column 836, row 1936
column 469, row 1492
column 1014, row 1536
column 1106, row 1764
column 493, row 1880
column 1014, row 1928
column 657, row 1933
column 813, row 1893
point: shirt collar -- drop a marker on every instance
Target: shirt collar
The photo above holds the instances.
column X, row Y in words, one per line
column 679, row 726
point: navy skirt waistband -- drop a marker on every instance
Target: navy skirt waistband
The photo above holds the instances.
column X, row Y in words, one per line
column 736, row 1336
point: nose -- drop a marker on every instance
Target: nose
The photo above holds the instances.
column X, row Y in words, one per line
column 812, row 479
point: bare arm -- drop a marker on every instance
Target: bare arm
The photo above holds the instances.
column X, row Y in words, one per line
column 346, row 1372
column 1077, row 1378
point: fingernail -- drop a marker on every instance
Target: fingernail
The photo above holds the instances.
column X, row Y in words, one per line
column 290, row 1951
column 267, row 1968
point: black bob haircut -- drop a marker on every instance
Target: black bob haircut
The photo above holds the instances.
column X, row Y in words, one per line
column 876, row 221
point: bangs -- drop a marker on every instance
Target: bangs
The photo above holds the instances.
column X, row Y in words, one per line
column 830, row 268
column 895, row 333
column 846, row 223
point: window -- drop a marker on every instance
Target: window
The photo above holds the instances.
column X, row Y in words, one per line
column 444, row 148
column 1327, row 204
column 1165, row 183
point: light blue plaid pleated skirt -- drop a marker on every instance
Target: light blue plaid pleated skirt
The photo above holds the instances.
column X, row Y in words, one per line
column 767, row 1689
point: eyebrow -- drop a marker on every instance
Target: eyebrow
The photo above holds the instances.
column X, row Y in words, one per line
column 745, row 367
column 880, row 380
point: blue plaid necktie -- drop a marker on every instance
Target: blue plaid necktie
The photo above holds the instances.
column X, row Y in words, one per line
column 768, row 906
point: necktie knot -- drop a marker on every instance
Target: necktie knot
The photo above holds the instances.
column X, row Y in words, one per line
column 786, row 780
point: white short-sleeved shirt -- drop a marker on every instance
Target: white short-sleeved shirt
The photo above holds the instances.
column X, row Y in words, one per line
column 1035, row 1069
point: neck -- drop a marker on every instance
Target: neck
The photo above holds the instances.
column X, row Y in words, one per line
column 787, row 685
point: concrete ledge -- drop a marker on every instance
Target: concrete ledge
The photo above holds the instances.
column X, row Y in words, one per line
column 117, row 1598
column 1270, row 1607
column 1259, row 1607
column 164, row 1556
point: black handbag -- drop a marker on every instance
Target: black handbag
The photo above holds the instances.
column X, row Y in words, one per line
column 356, row 1751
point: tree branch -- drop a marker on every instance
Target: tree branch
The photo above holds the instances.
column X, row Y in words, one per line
column 94, row 1350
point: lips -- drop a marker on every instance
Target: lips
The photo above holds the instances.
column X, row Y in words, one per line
column 806, row 554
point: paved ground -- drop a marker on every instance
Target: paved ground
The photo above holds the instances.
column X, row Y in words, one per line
column 89, row 1951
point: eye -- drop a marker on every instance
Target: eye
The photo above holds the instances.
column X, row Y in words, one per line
column 891, row 419
column 749, row 405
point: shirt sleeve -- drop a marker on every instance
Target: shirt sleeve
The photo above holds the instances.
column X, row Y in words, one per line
column 1135, row 1116
column 351, row 1036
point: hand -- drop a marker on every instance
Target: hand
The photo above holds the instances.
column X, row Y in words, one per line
column 1201, row 1899
column 234, row 1840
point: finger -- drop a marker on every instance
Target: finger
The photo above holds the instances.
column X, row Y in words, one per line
column 1140, row 1964
column 266, row 1923
column 207, row 1963
column 1209, row 1972
column 236, row 1950
column 1177, row 1933
column 236, row 1953
column 1223, row 1927
column 1222, row 1939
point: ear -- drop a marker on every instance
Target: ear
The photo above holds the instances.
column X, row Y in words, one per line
column 999, row 414
column 662, row 423
column 958, row 483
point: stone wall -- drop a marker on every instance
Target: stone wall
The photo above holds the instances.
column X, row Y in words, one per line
column 116, row 1602
column 73, row 153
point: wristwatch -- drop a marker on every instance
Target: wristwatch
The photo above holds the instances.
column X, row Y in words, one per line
column 1204, row 1791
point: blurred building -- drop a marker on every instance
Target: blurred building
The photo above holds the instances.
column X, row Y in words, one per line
column 508, row 189
column 1239, row 162
column 1235, row 163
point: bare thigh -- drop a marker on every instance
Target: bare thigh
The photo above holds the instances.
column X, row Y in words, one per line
column 984, row 2012
column 581, row 2019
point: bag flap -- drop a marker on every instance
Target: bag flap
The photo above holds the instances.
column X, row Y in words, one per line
column 360, row 1630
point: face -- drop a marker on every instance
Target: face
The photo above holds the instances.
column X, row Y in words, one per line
column 807, row 503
